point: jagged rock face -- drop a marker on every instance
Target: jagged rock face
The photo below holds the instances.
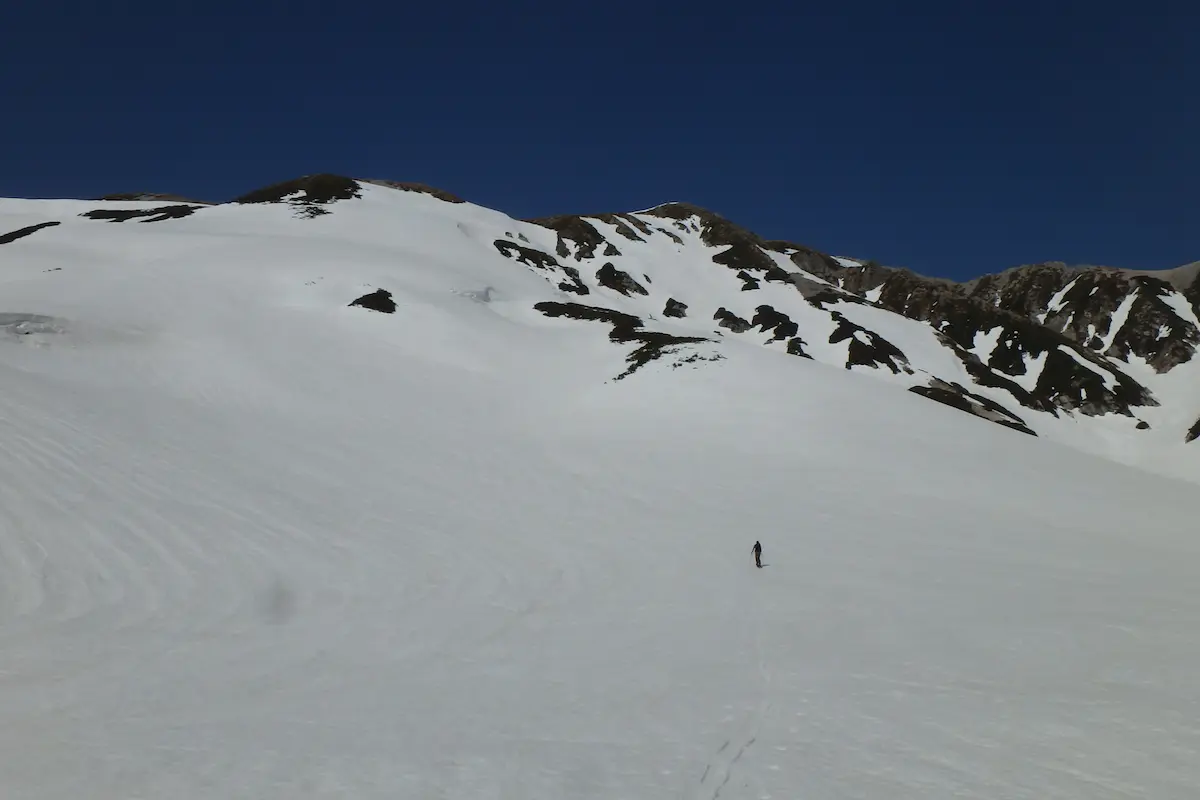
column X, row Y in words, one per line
column 868, row 348
column 807, row 259
column 1155, row 321
column 652, row 345
column 1072, row 376
column 745, row 249
column 536, row 259
column 574, row 231
column 674, row 308
column 612, row 278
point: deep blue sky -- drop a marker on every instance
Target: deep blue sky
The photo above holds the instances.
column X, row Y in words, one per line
column 954, row 138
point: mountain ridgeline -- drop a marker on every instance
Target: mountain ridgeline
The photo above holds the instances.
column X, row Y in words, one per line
column 1028, row 348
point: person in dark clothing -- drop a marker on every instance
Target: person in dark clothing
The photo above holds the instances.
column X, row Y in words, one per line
column 758, row 555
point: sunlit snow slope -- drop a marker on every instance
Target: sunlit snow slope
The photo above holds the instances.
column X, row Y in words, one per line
column 258, row 543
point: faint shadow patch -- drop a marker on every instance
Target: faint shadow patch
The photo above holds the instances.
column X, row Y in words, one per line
column 277, row 604
column 485, row 295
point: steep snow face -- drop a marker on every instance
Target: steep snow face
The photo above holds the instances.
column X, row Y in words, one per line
column 258, row 542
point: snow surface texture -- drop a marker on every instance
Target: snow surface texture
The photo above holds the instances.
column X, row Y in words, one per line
column 258, row 543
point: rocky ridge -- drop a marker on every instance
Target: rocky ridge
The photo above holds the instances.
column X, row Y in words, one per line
column 1041, row 339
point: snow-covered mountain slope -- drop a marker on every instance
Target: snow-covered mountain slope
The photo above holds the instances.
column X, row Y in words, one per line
column 257, row 541
column 1100, row 359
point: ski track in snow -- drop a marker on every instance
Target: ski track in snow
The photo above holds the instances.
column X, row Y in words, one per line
column 254, row 543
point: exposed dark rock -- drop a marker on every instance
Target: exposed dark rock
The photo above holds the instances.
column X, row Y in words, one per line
column 955, row 396
column 21, row 233
column 745, row 249
column 613, row 278
column 673, row 237
column 1143, row 425
column 1033, row 313
column 1154, row 330
column 627, row 217
column 611, row 250
column 819, row 295
column 527, row 255
column 378, row 300
column 625, row 328
column 627, row 226
column 573, row 229
column 807, row 259
column 727, row 319
column 618, row 319
column 867, row 348
column 1193, row 432
column 1085, row 301
column 421, row 188
column 142, row 214
column 309, row 191
column 749, row 282
column 674, row 308
column 795, row 346
column 767, row 318
column 1064, row 382
column 536, row 259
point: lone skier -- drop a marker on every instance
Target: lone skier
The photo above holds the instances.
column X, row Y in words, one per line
column 758, row 555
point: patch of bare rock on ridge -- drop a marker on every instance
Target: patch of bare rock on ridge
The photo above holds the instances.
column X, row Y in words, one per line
column 955, row 396
column 21, row 233
column 420, row 188
column 308, row 194
column 1017, row 306
column 612, row 278
column 652, row 345
column 142, row 214
column 1036, row 317
column 568, row 276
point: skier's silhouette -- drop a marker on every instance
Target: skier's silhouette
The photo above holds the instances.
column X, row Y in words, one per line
column 758, row 555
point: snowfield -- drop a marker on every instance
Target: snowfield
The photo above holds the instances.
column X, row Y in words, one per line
column 258, row 543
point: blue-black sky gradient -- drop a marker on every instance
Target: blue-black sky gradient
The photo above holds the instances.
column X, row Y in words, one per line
column 953, row 138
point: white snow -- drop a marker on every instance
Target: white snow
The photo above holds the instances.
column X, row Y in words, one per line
column 1117, row 321
column 985, row 343
column 1057, row 301
column 255, row 543
column 1182, row 308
